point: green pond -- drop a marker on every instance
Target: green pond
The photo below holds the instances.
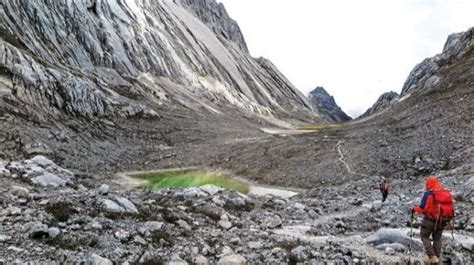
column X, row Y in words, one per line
column 191, row 178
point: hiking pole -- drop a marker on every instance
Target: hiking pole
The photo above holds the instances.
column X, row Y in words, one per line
column 411, row 232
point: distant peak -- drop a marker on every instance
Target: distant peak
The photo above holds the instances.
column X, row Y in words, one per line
column 319, row 90
column 324, row 104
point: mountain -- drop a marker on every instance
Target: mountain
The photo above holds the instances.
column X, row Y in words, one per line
column 102, row 58
column 385, row 100
column 325, row 106
column 171, row 71
column 424, row 77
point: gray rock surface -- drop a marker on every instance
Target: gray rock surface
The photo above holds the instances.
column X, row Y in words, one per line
column 35, row 229
column 112, row 206
column 104, row 189
column 385, row 100
column 48, row 180
column 53, row 232
column 423, row 76
column 210, row 189
column 215, row 16
column 386, row 235
column 4, row 238
column 325, row 106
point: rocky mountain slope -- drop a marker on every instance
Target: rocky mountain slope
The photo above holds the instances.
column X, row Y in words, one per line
column 385, row 100
column 325, row 106
column 94, row 58
column 115, row 69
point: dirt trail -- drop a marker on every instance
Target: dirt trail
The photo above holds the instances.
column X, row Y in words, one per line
column 343, row 161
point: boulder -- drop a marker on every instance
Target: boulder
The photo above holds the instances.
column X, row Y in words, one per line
column 53, row 232
column 211, row 189
column 104, row 189
column 200, row 260
column 232, row 260
column 122, row 235
column 299, row 254
column 5, row 238
column 388, row 235
column 20, row 192
column 395, row 246
column 225, row 224
column 255, row 245
column 153, row 225
column 390, row 251
column 193, row 193
column 272, row 221
column 98, row 260
column 376, row 206
column 183, row 224
column 118, row 205
column 49, row 180
column 46, row 173
column 4, row 172
column 298, row 206
column 36, row 229
column 127, row 204
column 41, row 161
column 111, row 206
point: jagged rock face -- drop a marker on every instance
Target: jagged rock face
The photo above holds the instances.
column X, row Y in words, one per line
column 106, row 57
column 423, row 76
column 325, row 105
column 215, row 16
column 385, row 100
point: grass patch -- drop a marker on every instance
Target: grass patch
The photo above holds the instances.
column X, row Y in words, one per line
column 191, row 178
column 317, row 127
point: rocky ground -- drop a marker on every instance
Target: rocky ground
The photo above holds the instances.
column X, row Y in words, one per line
column 51, row 214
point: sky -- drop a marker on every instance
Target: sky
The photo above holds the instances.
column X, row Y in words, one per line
column 356, row 50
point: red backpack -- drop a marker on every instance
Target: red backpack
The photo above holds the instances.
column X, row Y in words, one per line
column 443, row 201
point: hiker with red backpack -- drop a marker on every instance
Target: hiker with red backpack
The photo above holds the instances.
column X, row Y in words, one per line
column 438, row 209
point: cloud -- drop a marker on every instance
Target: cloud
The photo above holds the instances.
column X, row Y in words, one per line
column 356, row 49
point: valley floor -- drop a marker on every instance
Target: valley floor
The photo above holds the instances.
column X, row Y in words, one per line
column 50, row 214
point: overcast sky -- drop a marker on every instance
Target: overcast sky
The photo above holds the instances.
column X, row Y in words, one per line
column 355, row 49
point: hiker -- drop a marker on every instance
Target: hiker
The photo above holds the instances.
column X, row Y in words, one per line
column 384, row 189
column 438, row 210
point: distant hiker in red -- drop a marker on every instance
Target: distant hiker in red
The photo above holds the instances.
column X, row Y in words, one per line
column 438, row 209
column 384, row 189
